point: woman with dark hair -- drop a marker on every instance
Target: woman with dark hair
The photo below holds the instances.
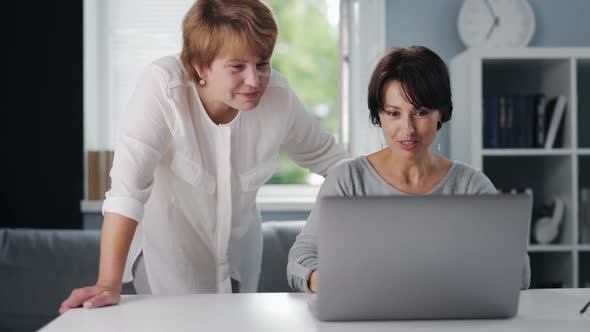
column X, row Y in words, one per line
column 409, row 98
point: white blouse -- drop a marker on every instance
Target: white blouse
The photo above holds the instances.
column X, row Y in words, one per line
column 191, row 184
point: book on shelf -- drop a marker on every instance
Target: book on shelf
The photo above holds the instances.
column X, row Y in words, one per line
column 556, row 108
column 540, row 104
column 490, row 121
column 99, row 164
column 92, row 175
column 505, row 121
column 522, row 121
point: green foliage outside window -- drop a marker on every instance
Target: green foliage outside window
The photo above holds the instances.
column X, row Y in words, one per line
column 306, row 53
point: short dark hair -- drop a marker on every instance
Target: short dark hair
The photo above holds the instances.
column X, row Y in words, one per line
column 423, row 76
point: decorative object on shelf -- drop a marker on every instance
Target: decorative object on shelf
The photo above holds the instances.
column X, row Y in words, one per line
column 546, row 229
column 496, row 23
column 515, row 191
column 98, row 165
column 584, row 230
column 482, row 75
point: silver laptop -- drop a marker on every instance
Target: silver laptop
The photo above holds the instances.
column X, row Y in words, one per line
column 421, row 257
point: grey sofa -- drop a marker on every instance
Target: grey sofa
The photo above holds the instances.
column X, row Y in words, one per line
column 39, row 268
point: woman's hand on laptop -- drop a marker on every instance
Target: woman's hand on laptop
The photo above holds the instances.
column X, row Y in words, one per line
column 313, row 281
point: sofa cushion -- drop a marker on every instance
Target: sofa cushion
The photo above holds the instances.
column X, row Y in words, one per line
column 279, row 236
column 39, row 268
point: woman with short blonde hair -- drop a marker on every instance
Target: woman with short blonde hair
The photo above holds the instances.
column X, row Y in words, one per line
column 212, row 27
column 202, row 134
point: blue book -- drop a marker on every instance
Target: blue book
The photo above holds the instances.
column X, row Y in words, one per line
column 540, row 101
column 526, row 121
column 502, row 122
column 519, row 121
column 530, row 119
column 509, row 122
column 490, row 122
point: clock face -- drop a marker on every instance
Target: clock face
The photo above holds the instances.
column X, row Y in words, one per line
column 496, row 23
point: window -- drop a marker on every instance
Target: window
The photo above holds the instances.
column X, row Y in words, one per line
column 343, row 40
column 322, row 45
column 363, row 45
column 306, row 53
column 121, row 38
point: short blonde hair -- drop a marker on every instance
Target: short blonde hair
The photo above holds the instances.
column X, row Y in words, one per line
column 214, row 26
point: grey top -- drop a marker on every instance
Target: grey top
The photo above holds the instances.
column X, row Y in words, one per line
column 357, row 177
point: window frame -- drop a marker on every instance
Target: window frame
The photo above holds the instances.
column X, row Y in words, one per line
column 361, row 45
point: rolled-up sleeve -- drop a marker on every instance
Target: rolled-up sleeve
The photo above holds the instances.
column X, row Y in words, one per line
column 145, row 133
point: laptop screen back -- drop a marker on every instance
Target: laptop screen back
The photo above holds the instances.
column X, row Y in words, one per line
column 421, row 257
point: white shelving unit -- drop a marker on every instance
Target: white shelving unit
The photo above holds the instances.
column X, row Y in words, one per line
column 549, row 172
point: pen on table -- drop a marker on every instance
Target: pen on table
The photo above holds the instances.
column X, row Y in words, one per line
column 584, row 309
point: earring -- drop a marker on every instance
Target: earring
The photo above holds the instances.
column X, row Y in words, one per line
column 202, row 82
column 382, row 139
column 438, row 147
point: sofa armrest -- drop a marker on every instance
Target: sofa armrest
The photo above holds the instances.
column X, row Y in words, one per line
column 39, row 269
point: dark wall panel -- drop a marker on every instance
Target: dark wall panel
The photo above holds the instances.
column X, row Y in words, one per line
column 42, row 125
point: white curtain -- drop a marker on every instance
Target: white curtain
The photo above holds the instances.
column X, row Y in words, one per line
column 121, row 37
column 363, row 48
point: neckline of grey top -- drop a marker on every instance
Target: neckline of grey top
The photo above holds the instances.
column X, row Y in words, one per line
column 379, row 178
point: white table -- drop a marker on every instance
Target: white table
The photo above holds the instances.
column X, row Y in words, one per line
column 539, row 310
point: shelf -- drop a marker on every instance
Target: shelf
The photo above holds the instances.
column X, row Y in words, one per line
column 510, row 77
column 91, row 206
column 527, row 152
column 270, row 198
column 264, row 204
column 480, row 75
column 508, row 172
column 549, row 248
column 526, row 53
column 551, row 269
